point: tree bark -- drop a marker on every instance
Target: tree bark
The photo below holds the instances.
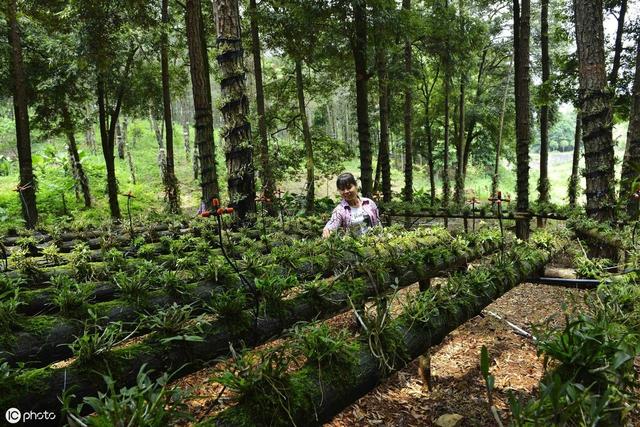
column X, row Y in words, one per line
column 359, row 47
column 171, row 189
column 543, row 184
column 574, row 179
column 235, row 109
column 266, row 175
column 595, row 103
column 27, row 186
column 629, row 180
column 383, row 103
column 459, row 185
column 522, row 32
column 107, row 151
column 120, row 141
column 204, row 158
column 306, row 135
column 617, row 50
column 78, row 171
column 408, row 117
column 186, row 139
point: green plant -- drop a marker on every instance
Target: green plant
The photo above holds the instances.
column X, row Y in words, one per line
column 80, row 261
column 134, row 288
column 592, row 268
column 175, row 323
column 52, row 254
column 148, row 403
column 325, row 346
column 69, row 296
column 115, row 259
column 95, row 342
column 9, row 303
column 21, row 261
column 147, row 251
column 229, row 304
column 10, row 284
column 270, row 292
column 28, row 243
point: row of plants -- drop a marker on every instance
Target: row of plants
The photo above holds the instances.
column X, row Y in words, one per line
column 184, row 348
column 338, row 370
column 590, row 377
column 41, row 339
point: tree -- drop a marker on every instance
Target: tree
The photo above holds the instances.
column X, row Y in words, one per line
column 27, row 186
column 235, row 106
column 631, row 162
column 574, row 178
column 359, row 49
column 201, row 89
column 268, row 183
column 595, row 102
column 543, row 184
column 522, row 32
column 169, row 176
column 408, row 116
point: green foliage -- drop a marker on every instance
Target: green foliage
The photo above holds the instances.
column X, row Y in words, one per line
column 52, row 254
column 115, row 259
column 134, row 288
column 69, row 296
column 9, row 303
column 147, row 403
column 80, row 261
column 95, row 342
column 592, row 268
column 271, row 291
column 229, row 304
column 175, row 323
column 324, row 346
column 21, row 261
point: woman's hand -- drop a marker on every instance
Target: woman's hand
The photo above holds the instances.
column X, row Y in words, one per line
column 326, row 233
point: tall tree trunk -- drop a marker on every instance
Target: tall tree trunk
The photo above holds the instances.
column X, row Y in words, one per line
column 595, row 102
column 158, row 130
column 543, row 184
column 473, row 122
column 617, row 50
column 186, row 139
column 574, row 179
column 266, row 175
column 107, row 151
column 408, row 117
column 78, row 171
column 496, row 171
column 522, row 28
column 632, row 150
column 459, row 185
column 306, row 135
column 171, row 189
column 359, row 47
column 235, row 109
column 119, row 141
column 383, row 103
column 445, row 166
column 26, row 190
column 204, row 158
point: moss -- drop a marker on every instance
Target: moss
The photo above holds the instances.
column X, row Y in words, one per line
column 40, row 325
column 25, row 384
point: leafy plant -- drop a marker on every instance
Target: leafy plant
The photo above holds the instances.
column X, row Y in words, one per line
column 21, row 261
column 175, row 323
column 229, row 305
column 115, row 259
column 148, row 403
column 134, row 288
column 52, row 254
column 325, row 346
column 80, row 261
column 592, row 268
column 9, row 303
column 69, row 296
column 95, row 342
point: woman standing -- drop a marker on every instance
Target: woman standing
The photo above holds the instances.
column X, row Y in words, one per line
column 354, row 213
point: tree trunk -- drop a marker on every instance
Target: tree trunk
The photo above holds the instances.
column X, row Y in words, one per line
column 459, row 186
column 522, row 32
column 204, row 158
column 306, row 135
column 595, row 102
column 359, row 47
column 26, row 189
column 617, row 50
column 235, row 109
column 186, row 139
column 266, row 175
column 107, row 151
column 78, row 171
column 171, row 190
column 574, row 179
column 629, row 180
column 383, row 102
column 408, row 117
column 119, row 141
column 90, row 139
column 543, row 184
column 158, row 130
column 496, row 171
column 445, row 166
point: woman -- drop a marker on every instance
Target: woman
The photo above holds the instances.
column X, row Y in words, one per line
column 353, row 213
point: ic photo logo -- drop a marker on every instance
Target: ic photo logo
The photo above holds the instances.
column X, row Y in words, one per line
column 13, row 415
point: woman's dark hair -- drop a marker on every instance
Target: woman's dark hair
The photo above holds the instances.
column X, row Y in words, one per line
column 344, row 180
